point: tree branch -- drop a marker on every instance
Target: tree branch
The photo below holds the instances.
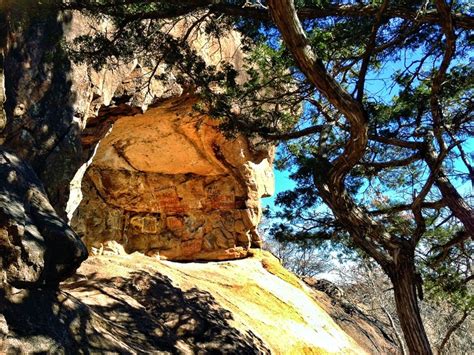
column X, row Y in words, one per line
column 284, row 15
column 406, row 207
column 436, row 110
column 459, row 238
column 451, row 196
column 451, row 330
column 369, row 50
column 293, row 135
column 367, row 234
column 392, row 163
column 396, row 142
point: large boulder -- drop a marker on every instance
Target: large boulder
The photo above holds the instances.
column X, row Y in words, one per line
column 37, row 248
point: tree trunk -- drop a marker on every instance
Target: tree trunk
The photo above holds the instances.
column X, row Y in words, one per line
column 404, row 285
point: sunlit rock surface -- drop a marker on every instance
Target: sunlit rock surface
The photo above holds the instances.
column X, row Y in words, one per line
column 130, row 303
column 168, row 182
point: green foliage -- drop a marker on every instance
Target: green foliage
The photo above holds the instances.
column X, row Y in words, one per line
column 445, row 278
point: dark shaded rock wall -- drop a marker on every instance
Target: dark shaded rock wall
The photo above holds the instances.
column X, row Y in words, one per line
column 42, row 126
column 36, row 246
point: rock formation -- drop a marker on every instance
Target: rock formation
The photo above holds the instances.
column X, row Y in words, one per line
column 163, row 179
column 138, row 171
column 167, row 182
column 131, row 304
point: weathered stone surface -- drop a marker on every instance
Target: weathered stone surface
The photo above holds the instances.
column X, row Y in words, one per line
column 36, row 246
column 135, row 304
column 168, row 182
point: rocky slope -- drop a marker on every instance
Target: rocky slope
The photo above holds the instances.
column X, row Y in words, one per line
column 134, row 304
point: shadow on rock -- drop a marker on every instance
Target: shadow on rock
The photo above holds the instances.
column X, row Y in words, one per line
column 137, row 314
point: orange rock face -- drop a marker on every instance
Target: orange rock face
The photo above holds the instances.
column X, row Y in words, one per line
column 168, row 183
column 163, row 181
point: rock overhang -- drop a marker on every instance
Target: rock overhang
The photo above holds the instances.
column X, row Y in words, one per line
column 168, row 182
column 200, row 204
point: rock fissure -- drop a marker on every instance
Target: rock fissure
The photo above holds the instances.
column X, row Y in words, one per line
column 121, row 154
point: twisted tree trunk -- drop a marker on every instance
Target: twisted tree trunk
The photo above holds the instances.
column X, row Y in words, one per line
column 394, row 255
column 404, row 280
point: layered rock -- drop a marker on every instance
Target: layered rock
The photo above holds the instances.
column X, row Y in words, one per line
column 52, row 102
column 168, row 182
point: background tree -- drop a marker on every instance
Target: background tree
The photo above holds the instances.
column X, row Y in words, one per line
column 366, row 286
column 303, row 255
column 386, row 160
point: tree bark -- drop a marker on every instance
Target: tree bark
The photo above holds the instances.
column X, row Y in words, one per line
column 404, row 282
column 285, row 18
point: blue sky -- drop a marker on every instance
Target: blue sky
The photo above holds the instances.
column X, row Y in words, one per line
column 378, row 85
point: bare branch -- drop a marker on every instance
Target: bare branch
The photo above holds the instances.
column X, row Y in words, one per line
column 392, row 163
column 369, row 50
column 451, row 330
column 396, row 142
column 293, row 135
